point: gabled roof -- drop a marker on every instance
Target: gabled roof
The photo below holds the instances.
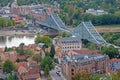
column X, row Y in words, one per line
column 24, row 64
column 70, row 39
column 32, row 77
column 22, row 57
column 22, row 69
column 86, row 51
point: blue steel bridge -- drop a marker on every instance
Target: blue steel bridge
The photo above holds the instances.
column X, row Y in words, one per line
column 84, row 30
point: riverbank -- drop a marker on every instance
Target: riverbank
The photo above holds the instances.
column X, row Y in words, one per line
column 12, row 33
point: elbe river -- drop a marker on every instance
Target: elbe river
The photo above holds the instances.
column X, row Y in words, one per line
column 11, row 41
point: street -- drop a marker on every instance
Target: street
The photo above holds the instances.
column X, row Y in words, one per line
column 56, row 74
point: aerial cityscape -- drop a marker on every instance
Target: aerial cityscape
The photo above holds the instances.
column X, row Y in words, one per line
column 59, row 40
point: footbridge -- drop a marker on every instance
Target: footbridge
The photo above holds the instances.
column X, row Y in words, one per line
column 84, row 30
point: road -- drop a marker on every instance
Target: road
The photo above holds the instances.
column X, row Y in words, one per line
column 43, row 76
column 56, row 76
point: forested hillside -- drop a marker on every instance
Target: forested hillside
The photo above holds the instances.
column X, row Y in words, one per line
column 73, row 11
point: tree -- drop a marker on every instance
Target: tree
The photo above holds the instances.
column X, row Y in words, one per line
column 46, row 70
column 8, row 49
column 110, row 51
column 116, row 76
column 94, row 77
column 20, row 49
column 28, row 52
column 10, row 23
column 5, row 49
column 91, row 46
column 37, row 57
column 56, row 60
column 47, row 61
column 43, row 39
column 47, row 54
column 52, row 51
column 44, row 47
column 10, row 77
column 107, row 37
column 21, row 44
column 65, row 34
column 81, row 76
column 3, row 22
column 8, row 66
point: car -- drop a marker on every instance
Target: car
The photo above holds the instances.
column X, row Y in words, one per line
column 58, row 73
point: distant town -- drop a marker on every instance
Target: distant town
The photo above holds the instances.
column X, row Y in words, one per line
column 35, row 44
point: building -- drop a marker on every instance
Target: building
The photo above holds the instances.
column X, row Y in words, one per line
column 68, row 43
column 96, row 12
column 88, row 63
column 17, row 19
column 114, row 65
column 28, row 70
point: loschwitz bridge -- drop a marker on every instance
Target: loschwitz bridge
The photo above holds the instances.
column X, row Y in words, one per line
column 85, row 30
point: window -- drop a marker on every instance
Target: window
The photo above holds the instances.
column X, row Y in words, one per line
column 72, row 74
column 72, row 70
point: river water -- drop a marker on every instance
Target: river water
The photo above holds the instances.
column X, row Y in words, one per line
column 10, row 41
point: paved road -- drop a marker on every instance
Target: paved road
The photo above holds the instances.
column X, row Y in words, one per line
column 55, row 76
column 42, row 76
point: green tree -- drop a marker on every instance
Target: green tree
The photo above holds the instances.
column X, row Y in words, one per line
column 44, row 47
column 56, row 60
column 37, row 57
column 94, row 77
column 52, row 51
column 43, row 39
column 47, row 54
column 46, row 70
column 5, row 49
column 28, row 52
column 47, row 61
column 21, row 44
column 91, row 46
column 8, row 66
column 10, row 23
column 110, row 51
column 64, row 34
column 20, row 49
column 10, row 77
column 81, row 76
column 107, row 36
column 3, row 22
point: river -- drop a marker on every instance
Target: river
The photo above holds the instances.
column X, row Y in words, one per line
column 11, row 41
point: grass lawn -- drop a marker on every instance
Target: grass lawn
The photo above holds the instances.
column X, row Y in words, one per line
column 108, row 28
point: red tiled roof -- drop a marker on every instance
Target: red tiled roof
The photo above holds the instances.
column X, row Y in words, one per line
column 14, row 58
column 32, row 45
column 86, row 51
column 30, row 60
column 1, row 49
column 114, row 60
column 6, row 54
column 22, row 64
column 22, row 57
column 29, row 76
column 22, row 69
column 34, row 69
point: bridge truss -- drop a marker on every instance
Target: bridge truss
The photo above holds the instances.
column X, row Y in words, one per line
column 85, row 30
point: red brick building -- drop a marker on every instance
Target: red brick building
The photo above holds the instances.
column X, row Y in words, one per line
column 81, row 62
